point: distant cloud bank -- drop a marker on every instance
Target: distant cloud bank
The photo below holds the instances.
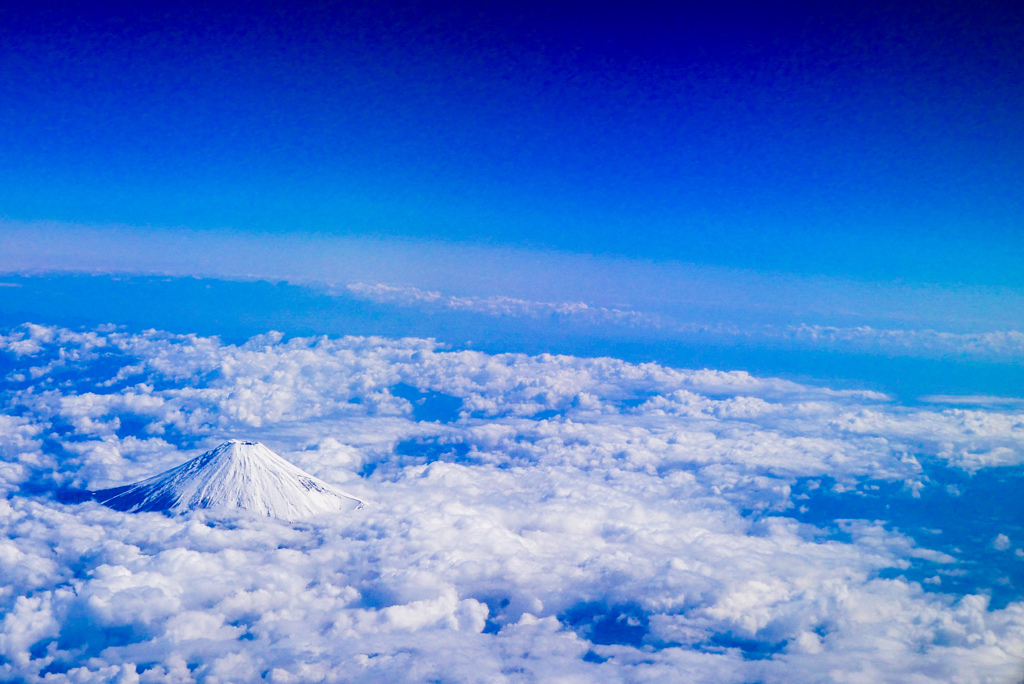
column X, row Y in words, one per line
column 1002, row 345
column 500, row 306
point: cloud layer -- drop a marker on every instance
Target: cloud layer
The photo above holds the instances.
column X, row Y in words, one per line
column 1004, row 346
column 542, row 518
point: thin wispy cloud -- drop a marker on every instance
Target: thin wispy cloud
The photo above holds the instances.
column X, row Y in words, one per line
column 1002, row 345
column 973, row 400
column 501, row 306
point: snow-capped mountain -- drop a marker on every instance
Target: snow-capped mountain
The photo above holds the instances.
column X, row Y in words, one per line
column 237, row 474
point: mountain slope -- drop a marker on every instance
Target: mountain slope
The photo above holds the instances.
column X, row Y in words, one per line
column 236, row 474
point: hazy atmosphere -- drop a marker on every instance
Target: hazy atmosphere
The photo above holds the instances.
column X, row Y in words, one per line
column 525, row 342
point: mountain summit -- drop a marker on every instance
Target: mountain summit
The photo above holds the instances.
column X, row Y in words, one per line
column 236, row 474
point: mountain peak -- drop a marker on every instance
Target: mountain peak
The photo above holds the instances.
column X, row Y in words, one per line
column 237, row 474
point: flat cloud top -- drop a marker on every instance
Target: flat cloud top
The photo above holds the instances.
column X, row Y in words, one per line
column 533, row 519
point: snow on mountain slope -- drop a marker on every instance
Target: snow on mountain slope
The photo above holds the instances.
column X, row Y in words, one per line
column 237, row 474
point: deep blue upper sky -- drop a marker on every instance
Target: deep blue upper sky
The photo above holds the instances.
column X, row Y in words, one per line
column 873, row 141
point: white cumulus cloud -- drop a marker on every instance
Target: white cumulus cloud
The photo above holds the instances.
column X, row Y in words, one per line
column 562, row 519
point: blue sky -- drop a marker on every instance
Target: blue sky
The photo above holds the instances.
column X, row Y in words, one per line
column 867, row 141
